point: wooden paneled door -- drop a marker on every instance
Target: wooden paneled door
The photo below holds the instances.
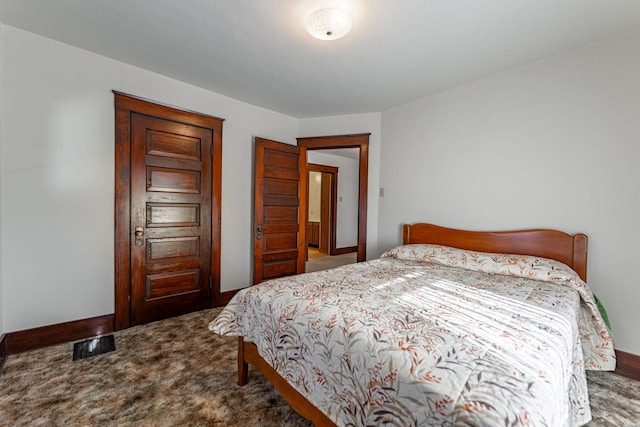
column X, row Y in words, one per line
column 173, row 218
column 279, row 210
column 326, row 219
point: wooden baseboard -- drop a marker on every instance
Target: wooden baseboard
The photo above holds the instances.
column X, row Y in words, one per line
column 3, row 350
column 224, row 297
column 345, row 250
column 45, row 336
column 628, row 365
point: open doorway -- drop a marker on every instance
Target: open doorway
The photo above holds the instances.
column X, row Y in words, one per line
column 280, row 202
column 342, row 240
column 322, row 209
column 332, row 209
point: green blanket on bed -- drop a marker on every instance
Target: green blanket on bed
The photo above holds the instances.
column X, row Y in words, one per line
column 603, row 312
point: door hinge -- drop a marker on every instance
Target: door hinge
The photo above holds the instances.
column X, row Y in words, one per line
column 210, row 282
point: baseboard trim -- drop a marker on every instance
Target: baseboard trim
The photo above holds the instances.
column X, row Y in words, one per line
column 225, row 297
column 45, row 336
column 345, row 250
column 628, row 365
column 59, row 333
column 3, row 350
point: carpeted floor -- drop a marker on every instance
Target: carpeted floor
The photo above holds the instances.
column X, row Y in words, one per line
column 177, row 373
column 169, row 373
column 327, row 262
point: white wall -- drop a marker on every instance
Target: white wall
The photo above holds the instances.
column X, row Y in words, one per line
column 352, row 124
column 347, row 209
column 555, row 145
column 57, row 174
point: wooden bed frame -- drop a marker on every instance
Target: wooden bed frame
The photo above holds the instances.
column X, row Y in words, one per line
column 568, row 249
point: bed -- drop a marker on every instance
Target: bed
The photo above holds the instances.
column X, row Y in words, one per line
column 453, row 327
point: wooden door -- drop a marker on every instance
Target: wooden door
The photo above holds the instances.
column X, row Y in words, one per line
column 325, row 213
column 171, row 218
column 167, row 211
column 279, row 210
column 328, row 206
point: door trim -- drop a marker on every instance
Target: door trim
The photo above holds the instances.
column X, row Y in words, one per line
column 312, row 167
column 360, row 141
column 125, row 105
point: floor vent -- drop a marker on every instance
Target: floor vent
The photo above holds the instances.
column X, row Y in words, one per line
column 93, row 347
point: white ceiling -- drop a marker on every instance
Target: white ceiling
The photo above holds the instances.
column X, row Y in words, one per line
column 258, row 51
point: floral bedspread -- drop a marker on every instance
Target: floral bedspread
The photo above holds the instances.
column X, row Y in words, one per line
column 430, row 335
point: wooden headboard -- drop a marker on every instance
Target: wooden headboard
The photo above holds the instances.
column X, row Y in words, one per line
column 568, row 249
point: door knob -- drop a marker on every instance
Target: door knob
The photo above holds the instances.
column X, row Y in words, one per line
column 139, row 241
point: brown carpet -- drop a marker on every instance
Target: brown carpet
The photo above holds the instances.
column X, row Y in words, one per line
column 327, row 262
column 177, row 373
column 169, row 373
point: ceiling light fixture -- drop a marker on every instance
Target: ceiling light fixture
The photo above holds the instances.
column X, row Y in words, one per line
column 329, row 23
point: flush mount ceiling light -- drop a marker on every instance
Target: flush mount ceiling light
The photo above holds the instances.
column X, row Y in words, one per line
column 329, row 23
